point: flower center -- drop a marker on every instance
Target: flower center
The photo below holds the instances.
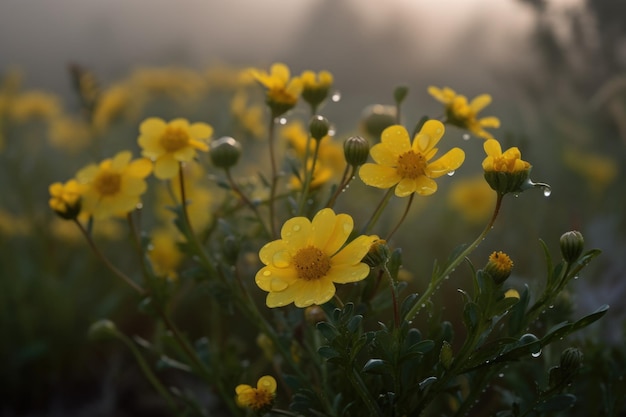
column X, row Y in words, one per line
column 261, row 399
column 501, row 261
column 108, row 183
column 174, row 138
column 411, row 165
column 311, row 263
column 502, row 164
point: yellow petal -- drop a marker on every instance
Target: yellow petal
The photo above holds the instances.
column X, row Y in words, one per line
column 282, row 298
column 281, row 72
column 314, row 292
column 492, row 147
column 353, row 252
column 165, row 167
column 150, row 145
column 296, row 232
column 152, row 126
column 120, row 160
column 480, row 102
column 425, row 186
column 267, row 383
column 87, row 174
column 200, row 131
column 384, row 155
column 345, row 274
column 490, row 121
column 379, row 176
column 406, row 187
column 185, row 154
column 448, row 162
column 428, row 136
column 133, row 186
column 180, row 123
column 341, row 231
column 266, row 254
column 512, row 153
column 140, row 168
column 396, row 139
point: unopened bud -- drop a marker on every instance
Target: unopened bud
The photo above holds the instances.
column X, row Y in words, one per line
column 377, row 118
column 319, row 127
column 572, row 245
column 378, row 254
column 356, row 150
column 102, row 330
column 225, row 152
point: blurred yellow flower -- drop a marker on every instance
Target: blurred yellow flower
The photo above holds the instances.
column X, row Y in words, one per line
column 164, row 254
column 249, row 116
column 173, row 82
column 282, row 91
column 405, row 165
column 598, row 170
column 315, row 87
column 69, row 134
column 259, row 399
column 463, row 114
column 170, row 143
column 510, row 161
column 12, row 225
column 113, row 103
column 473, row 198
column 65, row 198
column 34, row 105
column 114, row 186
column 303, row 266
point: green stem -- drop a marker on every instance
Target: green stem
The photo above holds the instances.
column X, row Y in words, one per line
column 345, row 180
column 107, row 263
column 361, row 388
column 379, row 209
column 435, row 282
column 406, row 211
column 394, row 298
column 308, row 177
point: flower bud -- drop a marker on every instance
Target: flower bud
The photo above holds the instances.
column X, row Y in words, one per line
column 378, row 254
column 508, row 182
column 377, row 118
column 571, row 360
column 102, row 330
column 572, row 245
column 400, row 93
column 499, row 267
column 445, row 355
column 314, row 314
column 356, row 150
column 225, row 152
column 318, row 127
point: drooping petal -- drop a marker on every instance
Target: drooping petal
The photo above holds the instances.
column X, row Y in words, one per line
column 448, row 162
column 428, row 136
column 165, row 167
column 406, row 187
column 379, row 176
column 396, row 139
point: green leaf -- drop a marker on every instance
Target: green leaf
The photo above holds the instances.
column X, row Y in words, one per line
column 354, row 323
column 518, row 312
column 557, row 403
column 587, row 320
column 394, row 263
column 328, row 352
column 471, row 316
column 327, row 330
column 377, row 366
column 408, row 304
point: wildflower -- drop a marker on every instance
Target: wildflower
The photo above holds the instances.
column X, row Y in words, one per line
column 315, row 87
column 599, row 171
column 463, row 114
column 505, row 172
column 65, row 199
column 69, row 134
column 406, row 165
column 304, row 265
column 282, row 90
column 473, row 198
column 249, row 116
column 114, row 186
column 259, row 399
column 35, row 105
column 170, row 143
column 499, row 267
column 114, row 103
column 165, row 254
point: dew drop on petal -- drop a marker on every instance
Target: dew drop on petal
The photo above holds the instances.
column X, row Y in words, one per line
column 347, row 227
column 451, row 173
column 281, row 259
column 296, row 228
column 267, row 273
column 139, row 206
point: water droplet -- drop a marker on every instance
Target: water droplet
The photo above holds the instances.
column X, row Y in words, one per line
column 336, row 96
column 451, row 173
column 332, row 131
column 500, row 375
column 547, row 190
column 281, row 259
column 536, row 354
column 296, row 228
column 576, row 277
column 466, row 136
column 516, row 195
column 139, row 206
column 551, row 306
column 282, row 121
column 267, row 273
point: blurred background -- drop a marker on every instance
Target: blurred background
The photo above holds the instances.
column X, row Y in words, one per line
column 556, row 70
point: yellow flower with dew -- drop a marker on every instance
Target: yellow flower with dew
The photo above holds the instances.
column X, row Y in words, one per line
column 464, row 114
column 473, row 198
column 164, row 254
column 65, row 199
column 282, row 91
column 114, row 186
column 499, row 266
column 407, row 165
column 315, row 87
column 169, row 143
column 259, row 399
column 310, row 258
column 505, row 172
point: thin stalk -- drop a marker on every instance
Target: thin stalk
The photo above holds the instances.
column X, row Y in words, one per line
column 361, row 388
column 274, row 179
column 308, row 177
column 379, row 209
column 406, row 211
column 394, row 298
column 107, row 263
column 245, row 200
column 436, row 281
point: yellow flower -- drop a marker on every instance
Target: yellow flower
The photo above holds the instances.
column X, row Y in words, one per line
column 510, row 161
column 65, row 198
column 499, row 266
column 35, row 105
column 114, row 186
column 463, row 114
column 305, row 264
column 282, row 90
column 170, row 143
column 259, row 399
column 473, row 198
column 315, row 87
column 598, row 170
column 249, row 116
column 405, row 165
column 164, row 254
column 69, row 134
column 114, row 103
